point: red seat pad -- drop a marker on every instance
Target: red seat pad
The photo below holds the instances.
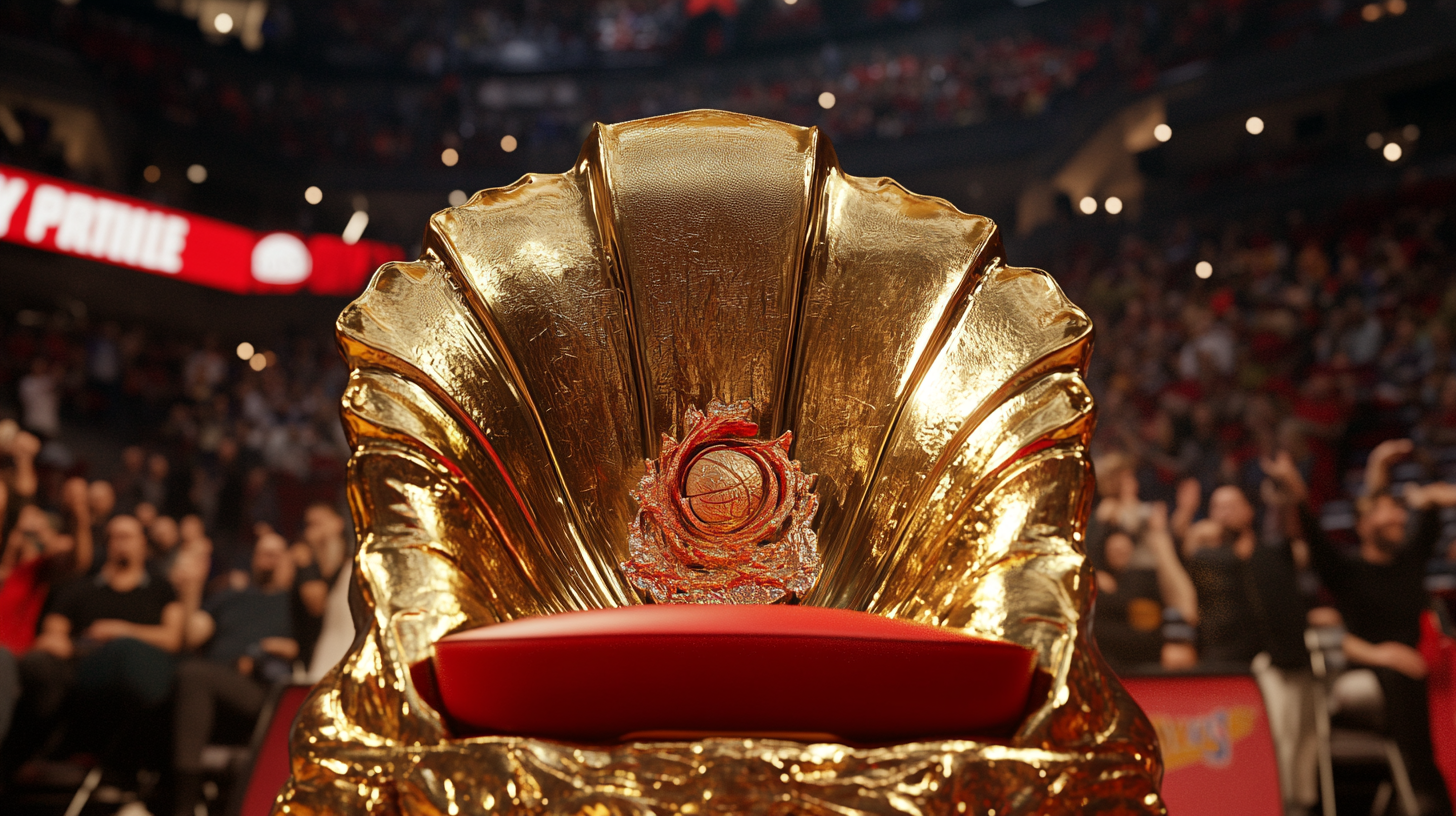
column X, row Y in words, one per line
column 698, row 669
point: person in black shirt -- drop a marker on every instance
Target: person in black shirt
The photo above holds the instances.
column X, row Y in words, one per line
column 1247, row 600
column 106, row 642
column 247, row 643
column 1381, row 595
column 1136, row 605
column 1252, row 617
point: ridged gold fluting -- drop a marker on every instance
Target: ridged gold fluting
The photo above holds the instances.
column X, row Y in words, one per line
column 507, row 387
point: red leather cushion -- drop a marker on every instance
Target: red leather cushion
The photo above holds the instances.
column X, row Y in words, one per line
column 752, row 670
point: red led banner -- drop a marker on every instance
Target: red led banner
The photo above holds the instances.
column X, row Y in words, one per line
column 47, row 213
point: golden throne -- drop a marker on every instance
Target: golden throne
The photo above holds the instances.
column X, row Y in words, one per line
column 507, row 387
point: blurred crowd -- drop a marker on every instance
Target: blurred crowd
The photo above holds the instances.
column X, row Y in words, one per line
column 173, row 547
column 1275, row 453
column 927, row 78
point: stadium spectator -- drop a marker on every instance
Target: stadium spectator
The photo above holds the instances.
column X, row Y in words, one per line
column 1252, row 617
column 1144, row 616
column 1381, row 597
column 1248, row 596
column 106, row 647
column 985, row 69
column 246, row 643
column 163, row 538
column 40, row 399
column 38, row 553
column 128, row 479
column 320, row 558
column 100, row 502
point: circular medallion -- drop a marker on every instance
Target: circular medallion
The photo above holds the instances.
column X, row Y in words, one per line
column 724, row 488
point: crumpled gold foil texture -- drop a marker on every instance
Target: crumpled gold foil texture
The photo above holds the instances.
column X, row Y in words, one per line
column 507, row 386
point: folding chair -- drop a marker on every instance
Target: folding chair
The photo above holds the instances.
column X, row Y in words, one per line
column 1349, row 722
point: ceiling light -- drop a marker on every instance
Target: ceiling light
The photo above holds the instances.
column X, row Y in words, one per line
column 196, row 173
column 223, row 22
column 509, row 143
column 1113, row 205
column 1162, row 133
column 1392, row 152
column 1203, row 269
column 1370, row 12
column 1395, row 7
column 313, row 195
column 1254, row 125
column 152, row 174
column 826, row 100
column 354, row 230
column 1087, row 205
column 458, row 197
column 450, row 157
column 258, row 362
column 245, row 350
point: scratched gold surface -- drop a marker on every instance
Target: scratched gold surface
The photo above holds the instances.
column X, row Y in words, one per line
column 508, row 385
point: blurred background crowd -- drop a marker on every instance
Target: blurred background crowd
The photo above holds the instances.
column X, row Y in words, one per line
column 1254, row 200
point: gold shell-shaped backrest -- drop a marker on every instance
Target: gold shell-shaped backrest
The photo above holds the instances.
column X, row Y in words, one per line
column 508, row 386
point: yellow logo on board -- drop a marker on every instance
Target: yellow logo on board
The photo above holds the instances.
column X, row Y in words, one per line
column 1206, row 739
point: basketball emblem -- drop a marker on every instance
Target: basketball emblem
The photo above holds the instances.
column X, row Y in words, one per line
column 723, row 517
column 724, row 488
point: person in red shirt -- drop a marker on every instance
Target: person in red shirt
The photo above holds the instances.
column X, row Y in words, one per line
column 38, row 554
column 35, row 553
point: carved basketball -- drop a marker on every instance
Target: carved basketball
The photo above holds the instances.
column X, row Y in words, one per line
column 724, row 488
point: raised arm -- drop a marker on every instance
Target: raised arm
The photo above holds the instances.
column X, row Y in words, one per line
column 1377, row 465
column 23, row 450
column 1173, row 581
column 1426, row 501
column 75, row 498
column 9, row 549
column 1189, row 499
column 1301, row 522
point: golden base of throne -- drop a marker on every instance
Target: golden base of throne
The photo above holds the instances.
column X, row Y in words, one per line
column 508, row 386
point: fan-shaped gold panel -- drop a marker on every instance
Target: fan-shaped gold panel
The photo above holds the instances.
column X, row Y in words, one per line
column 509, row 384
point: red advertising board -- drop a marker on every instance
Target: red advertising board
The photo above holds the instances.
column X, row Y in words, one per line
column 1218, row 757
column 46, row 213
column 1439, row 650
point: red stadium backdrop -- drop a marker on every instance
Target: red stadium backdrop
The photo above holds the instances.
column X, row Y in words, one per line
column 47, row 213
column 1218, row 757
column 270, row 765
column 1439, row 650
